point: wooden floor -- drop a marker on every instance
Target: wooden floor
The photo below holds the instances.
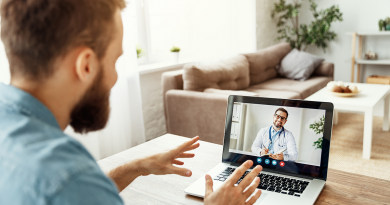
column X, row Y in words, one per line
column 347, row 145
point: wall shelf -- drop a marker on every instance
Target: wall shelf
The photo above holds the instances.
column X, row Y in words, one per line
column 374, row 62
column 359, row 61
column 370, row 33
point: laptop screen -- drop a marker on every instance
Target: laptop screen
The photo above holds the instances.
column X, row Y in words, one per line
column 282, row 135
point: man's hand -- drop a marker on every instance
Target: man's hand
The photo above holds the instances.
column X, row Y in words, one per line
column 264, row 151
column 158, row 164
column 277, row 156
column 228, row 193
column 162, row 163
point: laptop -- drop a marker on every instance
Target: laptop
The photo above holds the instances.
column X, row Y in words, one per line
column 303, row 141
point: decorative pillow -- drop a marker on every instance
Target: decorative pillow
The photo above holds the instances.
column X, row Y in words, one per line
column 230, row 92
column 263, row 62
column 230, row 74
column 299, row 65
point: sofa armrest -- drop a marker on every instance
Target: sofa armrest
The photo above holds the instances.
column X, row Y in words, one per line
column 325, row 69
column 192, row 113
column 172, row 80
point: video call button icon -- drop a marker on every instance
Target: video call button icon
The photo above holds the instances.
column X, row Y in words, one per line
column 274, row 162
column 282, row 164
column 258, row 160
column 267, row 161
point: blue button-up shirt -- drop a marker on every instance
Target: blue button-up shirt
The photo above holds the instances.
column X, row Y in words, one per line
column 39, row 164
column 274, row 133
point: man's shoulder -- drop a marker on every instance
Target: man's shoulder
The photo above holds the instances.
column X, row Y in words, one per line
column 287, row 131
column 264, row 129
column 38, row 156
column 23, row 136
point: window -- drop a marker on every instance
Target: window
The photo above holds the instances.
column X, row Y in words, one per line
column 203, row 29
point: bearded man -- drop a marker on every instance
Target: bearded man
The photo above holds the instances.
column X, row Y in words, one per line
column 62, row 56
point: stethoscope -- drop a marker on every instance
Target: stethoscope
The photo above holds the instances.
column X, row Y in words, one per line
column 284, row 136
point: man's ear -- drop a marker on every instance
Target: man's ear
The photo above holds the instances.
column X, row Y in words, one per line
column 86, row 65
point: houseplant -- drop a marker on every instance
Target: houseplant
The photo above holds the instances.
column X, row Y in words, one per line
column 175, row 51
column 301, row 36
column 140, row 52
column 318, row 128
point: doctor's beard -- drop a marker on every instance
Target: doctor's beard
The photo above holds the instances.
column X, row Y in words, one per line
column 277, row 126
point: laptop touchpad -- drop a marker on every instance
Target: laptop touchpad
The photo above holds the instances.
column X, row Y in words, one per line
column 262, row 197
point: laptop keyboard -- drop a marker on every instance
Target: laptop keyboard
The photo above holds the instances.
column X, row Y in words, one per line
column 283, row 185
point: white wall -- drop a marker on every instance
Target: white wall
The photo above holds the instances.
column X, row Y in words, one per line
column 308, row 154
column 4, row 66
column 265, row 25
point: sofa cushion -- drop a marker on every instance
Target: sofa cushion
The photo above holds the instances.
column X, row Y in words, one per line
column 299, row 65
column 274, row 93
column 262, row 63
column 305, row 88
column 230, row 92
column 325, row 69
column 230, row 74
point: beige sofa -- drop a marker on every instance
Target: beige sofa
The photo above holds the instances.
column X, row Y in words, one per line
column 195, row 98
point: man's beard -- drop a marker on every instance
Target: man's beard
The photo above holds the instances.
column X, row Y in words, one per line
column 277, row 126
column 92, row 111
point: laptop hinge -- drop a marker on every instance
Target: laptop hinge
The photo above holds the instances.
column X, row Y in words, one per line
column 277, row 172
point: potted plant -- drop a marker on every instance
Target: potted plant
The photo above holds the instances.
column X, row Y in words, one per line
column 300, row 36
column 318, row 128
column 140, row 52
column 175, row 51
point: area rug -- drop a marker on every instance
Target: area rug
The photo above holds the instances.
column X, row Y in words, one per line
column 347, row 147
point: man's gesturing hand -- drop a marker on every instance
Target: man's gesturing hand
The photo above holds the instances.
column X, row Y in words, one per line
column 162, row 163
column 228, row 193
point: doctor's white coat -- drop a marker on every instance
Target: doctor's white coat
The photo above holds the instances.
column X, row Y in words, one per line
column 283, row 141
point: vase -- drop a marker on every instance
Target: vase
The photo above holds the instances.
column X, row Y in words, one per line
column 175, row 56
column 387, row 27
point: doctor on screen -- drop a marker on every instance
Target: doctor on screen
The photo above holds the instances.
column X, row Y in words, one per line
column 274, row 139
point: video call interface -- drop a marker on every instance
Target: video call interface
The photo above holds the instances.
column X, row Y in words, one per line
column 278, row 136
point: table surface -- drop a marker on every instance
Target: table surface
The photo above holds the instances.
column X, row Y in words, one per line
column 369, row 96
column 340, row 188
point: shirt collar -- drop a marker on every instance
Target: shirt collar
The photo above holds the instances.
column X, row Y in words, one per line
column 26, row 104
column 273, row 129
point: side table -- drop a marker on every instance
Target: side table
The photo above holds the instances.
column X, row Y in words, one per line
column 365, row 101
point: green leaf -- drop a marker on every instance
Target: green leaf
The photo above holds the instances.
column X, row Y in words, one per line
column 317, row 33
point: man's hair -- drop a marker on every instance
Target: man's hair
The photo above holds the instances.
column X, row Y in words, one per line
column 36, row 32
column 283, row 110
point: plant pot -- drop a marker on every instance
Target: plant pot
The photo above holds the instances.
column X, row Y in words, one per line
column 175, row 56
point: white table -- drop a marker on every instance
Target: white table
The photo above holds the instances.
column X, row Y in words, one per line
column 365, row 102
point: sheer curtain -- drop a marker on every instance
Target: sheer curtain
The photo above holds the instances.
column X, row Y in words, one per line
column 125, row 127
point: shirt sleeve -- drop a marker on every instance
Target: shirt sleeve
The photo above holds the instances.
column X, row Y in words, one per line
column 88, row 187
column 292, row 151
column 256, row 146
